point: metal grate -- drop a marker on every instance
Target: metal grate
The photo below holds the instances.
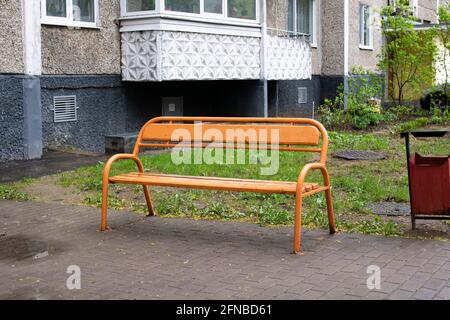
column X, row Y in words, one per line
column 302, row 95
column 65, row 108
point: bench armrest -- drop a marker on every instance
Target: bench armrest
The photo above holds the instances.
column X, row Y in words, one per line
column 309, row 167
column 120, row 156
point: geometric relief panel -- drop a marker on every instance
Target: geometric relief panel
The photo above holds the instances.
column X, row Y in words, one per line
column 168, row 55
column 201, row 56
column 288, row 58
column 140, row 56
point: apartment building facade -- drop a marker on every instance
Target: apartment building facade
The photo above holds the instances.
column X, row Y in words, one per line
column 74, row 71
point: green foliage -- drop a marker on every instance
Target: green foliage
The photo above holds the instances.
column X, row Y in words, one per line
column 443, row 35
column 435, row 116
column 363, row 108
column 10, row 193
column 406, row 54
column 376, row 226
column 95, row 200
column 271, row 215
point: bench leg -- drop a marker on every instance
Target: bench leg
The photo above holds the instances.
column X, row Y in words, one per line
column 104, row 222
column 298, row 224
column 330, row 211
column 148, row 199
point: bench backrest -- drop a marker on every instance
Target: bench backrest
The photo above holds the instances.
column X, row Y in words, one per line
column 292, row 134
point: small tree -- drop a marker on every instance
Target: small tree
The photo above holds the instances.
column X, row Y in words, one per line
column 443, row 35
column 406, row 54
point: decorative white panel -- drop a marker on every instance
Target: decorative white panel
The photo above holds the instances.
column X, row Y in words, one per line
column 288, row 58
column 192, row 56
column 168, row 55
column 140, row 56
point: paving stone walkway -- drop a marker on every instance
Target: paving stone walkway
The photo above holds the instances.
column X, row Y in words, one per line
column 156, row 258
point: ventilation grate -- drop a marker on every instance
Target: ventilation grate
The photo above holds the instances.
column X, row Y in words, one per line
column 65, row 108
column 302, row 95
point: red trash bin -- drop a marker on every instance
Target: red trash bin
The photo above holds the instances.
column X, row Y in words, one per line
column 430, row 185
column 428, row 179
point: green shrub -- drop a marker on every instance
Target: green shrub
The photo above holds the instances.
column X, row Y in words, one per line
column 362, row 111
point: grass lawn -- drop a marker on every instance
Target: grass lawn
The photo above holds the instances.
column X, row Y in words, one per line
column 355, row 185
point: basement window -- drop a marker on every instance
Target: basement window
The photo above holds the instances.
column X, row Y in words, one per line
column 71, row 13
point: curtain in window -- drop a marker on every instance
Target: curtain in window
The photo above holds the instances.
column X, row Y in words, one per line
column 56, row 8
column 140, row 5
column 213, row 6
column 304, row 16
column 243, row 9
column 191, row 6
column 84, row 10
column 291, row 16
column 365, row 29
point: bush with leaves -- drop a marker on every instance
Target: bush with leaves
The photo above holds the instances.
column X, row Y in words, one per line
column 363, row 107
column 407, row 52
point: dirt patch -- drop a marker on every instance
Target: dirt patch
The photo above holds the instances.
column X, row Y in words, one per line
column 47, row 189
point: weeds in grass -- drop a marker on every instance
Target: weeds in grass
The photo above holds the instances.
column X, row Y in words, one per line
column 375, row 226
column 8, row 192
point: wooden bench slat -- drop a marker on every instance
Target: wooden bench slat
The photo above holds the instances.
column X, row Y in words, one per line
column 212, row 183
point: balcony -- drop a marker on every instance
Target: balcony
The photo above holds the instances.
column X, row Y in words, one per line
column 166, row 40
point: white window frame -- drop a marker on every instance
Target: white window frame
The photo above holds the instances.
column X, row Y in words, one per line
column 160, row 9
column 123, row 9
column 211, row 14
column 414, row 7
column 69, row 19
column 313, row 34
column 362, row 45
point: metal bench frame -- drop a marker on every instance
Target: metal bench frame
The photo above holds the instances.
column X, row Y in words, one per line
column 296, row 134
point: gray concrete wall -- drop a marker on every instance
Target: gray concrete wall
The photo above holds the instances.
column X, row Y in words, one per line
column 427, row 10
column 108, row 106
column 283, row 97
column 11, row 46
column 84, row 51
column 32, row 125
column 367, row 58
column 102, row 111
column 277, row 17
column 11, row 117
column 332, row 42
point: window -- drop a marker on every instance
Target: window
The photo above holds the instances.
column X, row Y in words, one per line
column 242, row 9
column 76, row 13
column 365, row 29
column 213, row 6
column 301, row 17
column 217, row 9
column 140, row 5
column 56, row 8
column 190, row 6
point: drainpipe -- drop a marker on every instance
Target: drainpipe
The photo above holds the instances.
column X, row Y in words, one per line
column 346, row 49
column 264, row 55
column 32, row 61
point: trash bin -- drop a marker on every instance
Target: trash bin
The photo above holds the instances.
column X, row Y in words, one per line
column 429, row 181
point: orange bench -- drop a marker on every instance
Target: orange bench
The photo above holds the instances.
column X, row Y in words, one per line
column 293, row 134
